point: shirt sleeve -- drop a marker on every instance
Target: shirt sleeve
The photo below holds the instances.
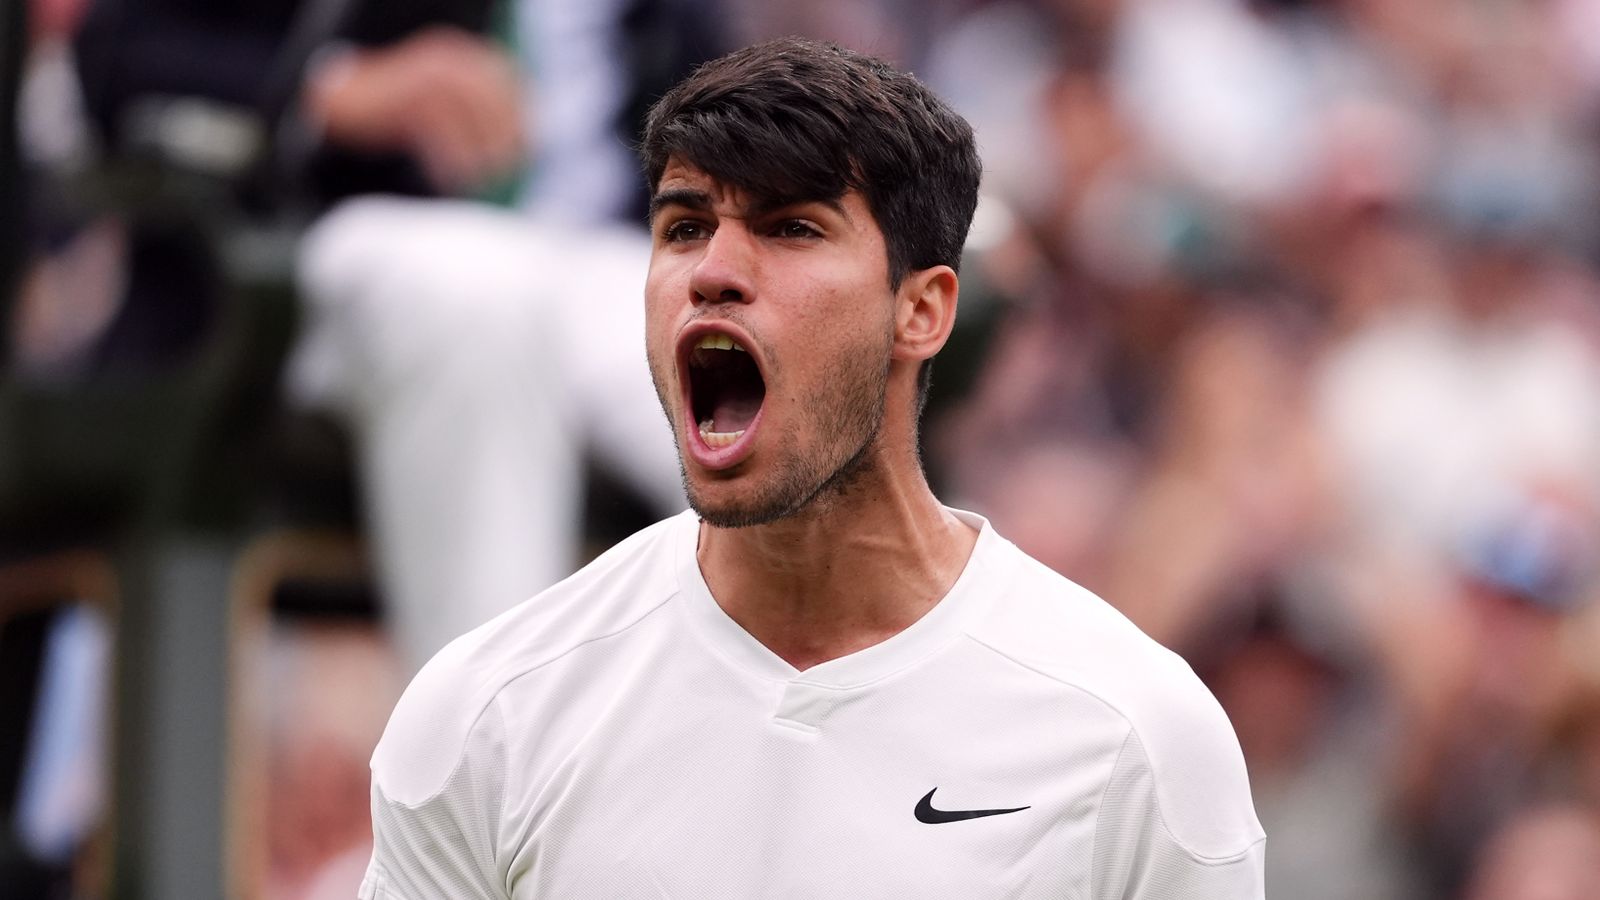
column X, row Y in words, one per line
column 1144, row 851
column 442, row 841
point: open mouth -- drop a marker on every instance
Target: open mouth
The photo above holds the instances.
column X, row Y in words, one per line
column 725, row 389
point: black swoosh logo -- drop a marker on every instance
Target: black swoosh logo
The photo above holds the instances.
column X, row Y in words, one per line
column 926, row 813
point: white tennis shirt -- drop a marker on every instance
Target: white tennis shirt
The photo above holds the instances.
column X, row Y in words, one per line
column 618, row 736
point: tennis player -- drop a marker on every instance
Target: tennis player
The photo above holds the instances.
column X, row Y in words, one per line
column 819, row 682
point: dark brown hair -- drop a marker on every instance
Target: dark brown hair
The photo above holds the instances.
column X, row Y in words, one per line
column 798, row 120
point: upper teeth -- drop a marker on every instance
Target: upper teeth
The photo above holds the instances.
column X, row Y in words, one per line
column 718, row 342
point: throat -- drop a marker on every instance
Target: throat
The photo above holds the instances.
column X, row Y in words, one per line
column 808, row 608
column 814, row 631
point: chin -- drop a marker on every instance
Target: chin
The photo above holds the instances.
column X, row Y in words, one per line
column 730, row 504
column 726, row 512
column 743, row 503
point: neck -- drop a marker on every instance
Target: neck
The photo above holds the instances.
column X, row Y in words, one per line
column 859, row 564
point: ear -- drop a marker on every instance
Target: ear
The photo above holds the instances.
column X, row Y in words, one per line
column 925, row 311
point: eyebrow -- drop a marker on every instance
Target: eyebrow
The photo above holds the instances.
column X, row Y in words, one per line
column 686, row 197
column 700, row 201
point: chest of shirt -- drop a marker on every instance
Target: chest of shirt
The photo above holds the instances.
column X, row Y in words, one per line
column 683, row 779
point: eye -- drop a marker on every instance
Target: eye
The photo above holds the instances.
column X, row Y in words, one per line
column 796, row 228
column 685, row 230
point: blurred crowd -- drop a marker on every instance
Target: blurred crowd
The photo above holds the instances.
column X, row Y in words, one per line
column 1281, row 331
column 1301, row 373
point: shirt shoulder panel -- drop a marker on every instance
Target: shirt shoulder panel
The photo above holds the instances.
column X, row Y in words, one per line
column 1137, row 857
column 428, row 730
column 448, row 844
column 1064, row 632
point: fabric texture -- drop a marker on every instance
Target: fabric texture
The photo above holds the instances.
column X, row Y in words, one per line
column 619, row 736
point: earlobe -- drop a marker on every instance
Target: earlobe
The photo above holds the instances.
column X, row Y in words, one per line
column 926, row 312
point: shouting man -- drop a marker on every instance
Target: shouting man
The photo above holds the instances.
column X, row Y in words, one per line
column 819, row 682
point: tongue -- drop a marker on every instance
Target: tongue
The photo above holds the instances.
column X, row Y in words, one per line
column 734, row 411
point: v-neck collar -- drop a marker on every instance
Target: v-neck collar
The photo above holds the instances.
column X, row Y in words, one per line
column 945, row 621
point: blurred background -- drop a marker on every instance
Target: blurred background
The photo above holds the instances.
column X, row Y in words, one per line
column 320, row 325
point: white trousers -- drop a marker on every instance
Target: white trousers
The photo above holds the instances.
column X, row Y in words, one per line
column 477, row 355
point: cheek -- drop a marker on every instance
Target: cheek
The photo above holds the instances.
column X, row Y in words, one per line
column 658, row 311
column 851, row 301
column 843, row 332
column 659, row 333
column 859, row 314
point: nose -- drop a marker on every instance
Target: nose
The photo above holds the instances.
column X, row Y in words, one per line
column 726, row 270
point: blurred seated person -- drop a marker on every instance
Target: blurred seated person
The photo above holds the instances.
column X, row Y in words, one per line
column 407, row 97
column 480, row 355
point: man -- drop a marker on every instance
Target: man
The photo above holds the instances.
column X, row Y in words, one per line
column 820, row 682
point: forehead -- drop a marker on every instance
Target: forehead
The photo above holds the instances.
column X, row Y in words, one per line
column 685, row 184
column 679, row 175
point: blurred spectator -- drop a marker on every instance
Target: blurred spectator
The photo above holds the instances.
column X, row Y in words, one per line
column 1316, row 728
column 283, row 99
column 479, row 355
column 331, row 688
column 1546, row 853
column 1496, row 747
column 1443, row 408
column 1232, row 491
column 448, row 334
column 409, row 97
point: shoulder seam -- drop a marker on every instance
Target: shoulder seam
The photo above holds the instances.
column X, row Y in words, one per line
column 1099, row 810
column 1053, row 677
column 1197, row 856
column 500, row 795
column 644, row 614
column 455, row 767
column 1133, row 731
column 494, row 695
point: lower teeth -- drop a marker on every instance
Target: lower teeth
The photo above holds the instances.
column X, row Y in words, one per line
column 718, row 439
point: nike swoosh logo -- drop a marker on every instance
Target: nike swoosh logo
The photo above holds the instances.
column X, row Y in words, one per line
column 927, row 814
